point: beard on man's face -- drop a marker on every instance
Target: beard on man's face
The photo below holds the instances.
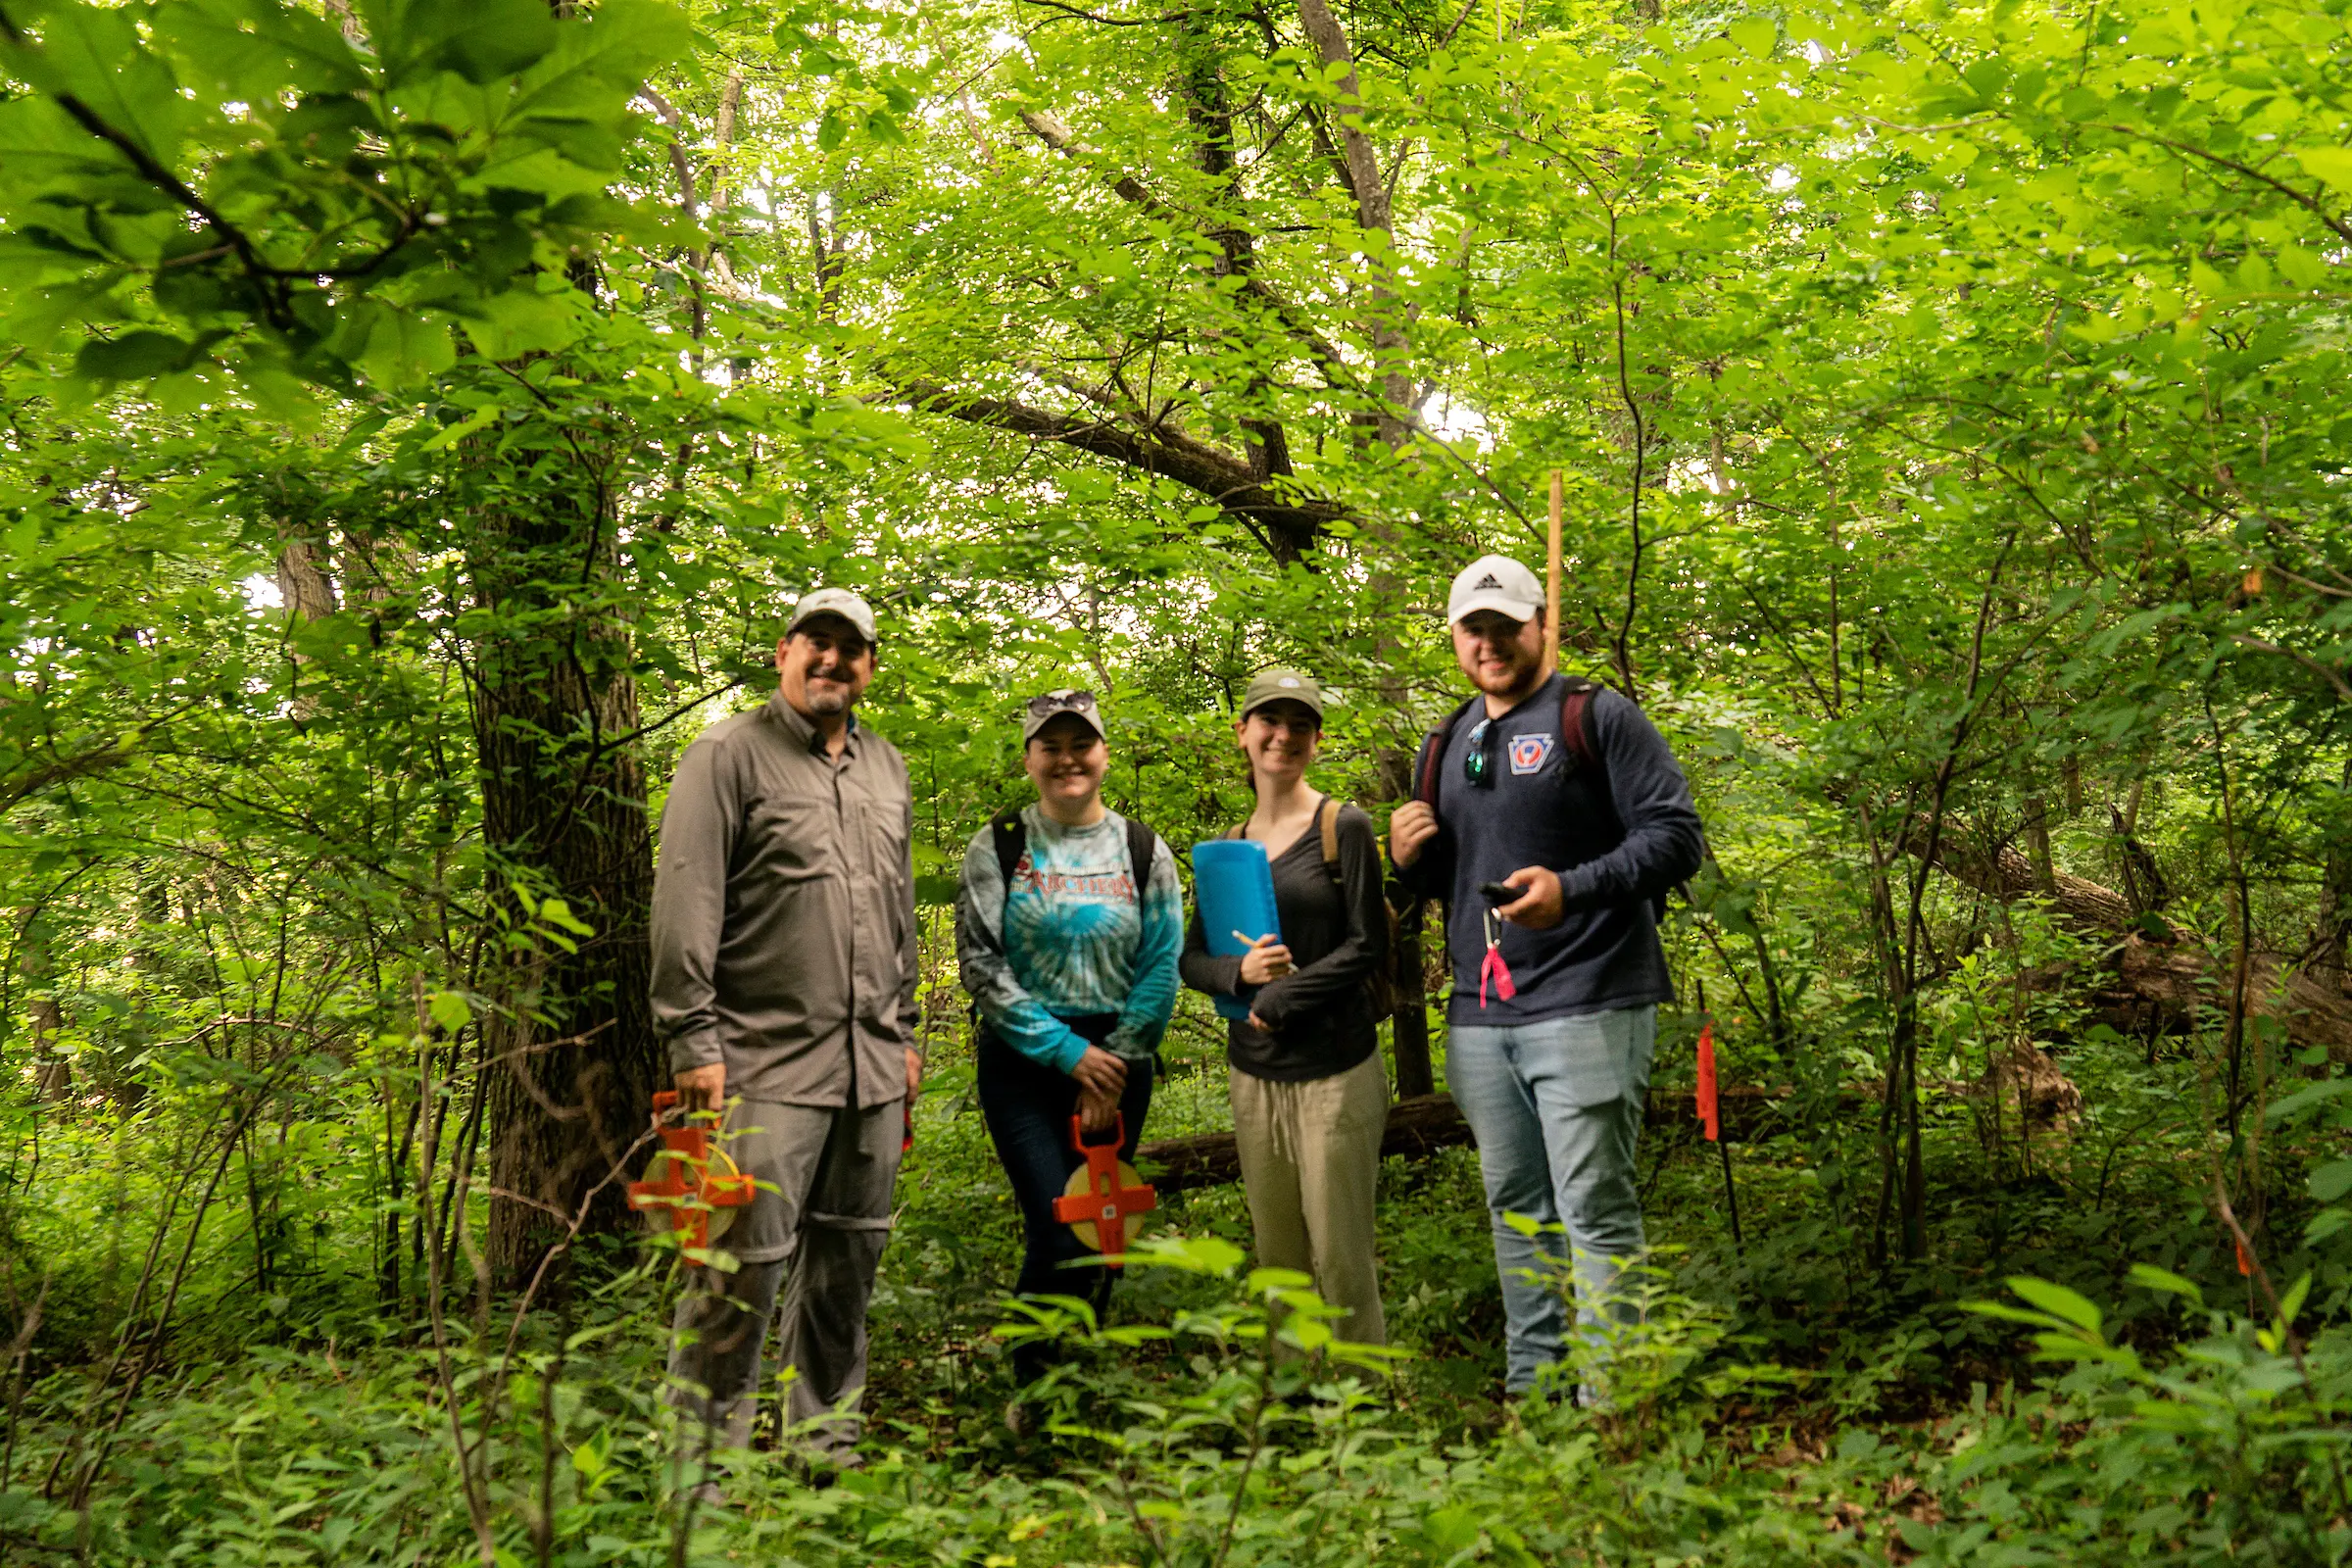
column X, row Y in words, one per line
column 827, row 689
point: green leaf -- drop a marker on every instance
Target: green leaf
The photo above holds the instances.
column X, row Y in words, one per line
column 558, row 913
column 133, row 356
column 483, row 40
column 2330, row 165
column 2150, row 1278
column 255, row 49
column 2058, row 1301
column 2331, row 1181
column 1755, row 36
column 402, row 349
column 94, row 54
column 450, row 1009
column 2303, row 1100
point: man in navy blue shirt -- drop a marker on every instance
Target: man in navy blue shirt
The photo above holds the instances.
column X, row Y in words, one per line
column 1567, row 804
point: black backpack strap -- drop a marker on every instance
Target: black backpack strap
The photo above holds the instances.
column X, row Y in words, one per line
column 1143, row 847
column 1012, row 835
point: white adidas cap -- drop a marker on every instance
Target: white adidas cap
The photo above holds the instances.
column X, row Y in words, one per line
column 1497, row 583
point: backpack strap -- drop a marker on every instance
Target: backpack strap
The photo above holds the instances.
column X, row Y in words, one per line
column 1327, row 821
column 1143, row 847
column 1011, row 833
column 1432, row 755
column 1576, row 732
column 1011, row 836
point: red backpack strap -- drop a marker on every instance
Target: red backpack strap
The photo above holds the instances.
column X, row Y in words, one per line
column 1432, row 755
column 1576, row 723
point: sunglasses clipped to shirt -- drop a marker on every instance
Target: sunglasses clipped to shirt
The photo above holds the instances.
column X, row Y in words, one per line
column 1477, row 762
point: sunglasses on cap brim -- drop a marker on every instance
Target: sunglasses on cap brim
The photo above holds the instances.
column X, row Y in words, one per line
column 1061, row 703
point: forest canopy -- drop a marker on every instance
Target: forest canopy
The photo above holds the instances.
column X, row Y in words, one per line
column 417, row 419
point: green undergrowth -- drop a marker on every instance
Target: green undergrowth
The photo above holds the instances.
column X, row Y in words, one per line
column 1786, row 1396
column 1190, row 1442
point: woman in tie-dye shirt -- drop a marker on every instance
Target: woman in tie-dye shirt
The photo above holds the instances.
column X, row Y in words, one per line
column 1072, row 964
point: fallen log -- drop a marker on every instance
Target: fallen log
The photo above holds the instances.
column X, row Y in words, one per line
column 2154, row 979
column 1421, row 1125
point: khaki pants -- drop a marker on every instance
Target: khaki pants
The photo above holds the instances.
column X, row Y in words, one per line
column 815, row 1232
column 1310, row 1161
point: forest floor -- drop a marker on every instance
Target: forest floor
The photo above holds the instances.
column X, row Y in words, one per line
column 1786, row 1401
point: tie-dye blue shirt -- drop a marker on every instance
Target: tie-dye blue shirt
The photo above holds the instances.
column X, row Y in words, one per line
column 1071, row 939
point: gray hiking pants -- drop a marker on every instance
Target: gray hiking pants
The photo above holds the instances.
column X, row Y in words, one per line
column 815, row 1231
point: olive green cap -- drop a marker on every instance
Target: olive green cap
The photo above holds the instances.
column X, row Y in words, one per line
column 1283, row 686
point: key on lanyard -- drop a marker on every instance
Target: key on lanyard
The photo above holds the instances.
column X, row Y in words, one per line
column 1493, row 968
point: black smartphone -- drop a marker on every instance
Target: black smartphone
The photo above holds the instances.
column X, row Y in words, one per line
column 1500, row 891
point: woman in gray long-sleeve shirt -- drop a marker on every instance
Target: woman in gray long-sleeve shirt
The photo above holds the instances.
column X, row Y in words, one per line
column 1309, row 1094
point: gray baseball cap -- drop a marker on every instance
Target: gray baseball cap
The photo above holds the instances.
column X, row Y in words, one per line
column 833, row 602
column 1497, row 583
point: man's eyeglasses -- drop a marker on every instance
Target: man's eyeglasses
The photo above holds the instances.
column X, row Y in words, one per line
column 1478, row 763
column 1061, row 701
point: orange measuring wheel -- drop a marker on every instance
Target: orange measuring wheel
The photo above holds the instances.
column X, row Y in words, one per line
column 1105, row 1192
column 691, row 1188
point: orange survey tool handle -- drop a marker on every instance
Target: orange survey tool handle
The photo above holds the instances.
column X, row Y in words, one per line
column 688, row 1187
column 1103, row 1193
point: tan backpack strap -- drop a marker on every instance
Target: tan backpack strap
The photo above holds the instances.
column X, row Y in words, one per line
column 1238, row 829
column 1329, row 820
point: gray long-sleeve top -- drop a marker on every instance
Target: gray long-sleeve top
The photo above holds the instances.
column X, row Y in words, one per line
column 783, row 928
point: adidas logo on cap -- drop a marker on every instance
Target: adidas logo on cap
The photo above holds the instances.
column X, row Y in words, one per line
column 1495, row 582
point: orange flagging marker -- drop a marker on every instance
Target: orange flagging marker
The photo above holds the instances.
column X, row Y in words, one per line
column 1708, row 1110
column 1103, row 1193
column 690, row 1188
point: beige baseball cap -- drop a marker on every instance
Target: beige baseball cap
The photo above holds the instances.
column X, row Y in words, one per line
column 1046, row 706
column 1283, row 686
column 833, row 602
column 1497, row 583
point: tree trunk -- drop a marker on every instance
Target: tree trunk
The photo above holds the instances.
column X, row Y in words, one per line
column 572, row 1055
column 2037, row 845
column 2332, row 930
column 1360, row 163
column 1409, row 1025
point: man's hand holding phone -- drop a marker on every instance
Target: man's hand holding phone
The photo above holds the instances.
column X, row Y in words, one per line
column 1529, row 897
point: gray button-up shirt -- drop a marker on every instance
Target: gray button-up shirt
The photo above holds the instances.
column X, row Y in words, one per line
column 784, row 934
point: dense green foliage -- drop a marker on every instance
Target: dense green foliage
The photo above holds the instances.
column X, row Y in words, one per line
column 415, row 416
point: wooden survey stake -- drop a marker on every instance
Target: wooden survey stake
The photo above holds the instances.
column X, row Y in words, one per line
column 1552, row 583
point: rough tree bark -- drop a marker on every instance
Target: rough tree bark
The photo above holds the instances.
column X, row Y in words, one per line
column 570, row 1056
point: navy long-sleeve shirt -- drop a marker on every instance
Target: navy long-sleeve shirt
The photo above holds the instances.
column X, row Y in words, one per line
column 1615, row 849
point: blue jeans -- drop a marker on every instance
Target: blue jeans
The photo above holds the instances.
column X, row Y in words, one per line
column 1028, row 1106
column 1556, row 1109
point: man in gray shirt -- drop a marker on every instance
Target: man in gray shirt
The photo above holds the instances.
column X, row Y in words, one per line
column 784, row 983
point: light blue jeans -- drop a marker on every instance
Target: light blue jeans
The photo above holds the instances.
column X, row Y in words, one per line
column 1556, row 1109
